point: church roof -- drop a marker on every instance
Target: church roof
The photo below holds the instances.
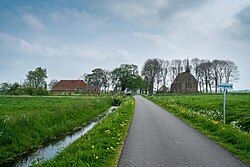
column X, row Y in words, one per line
column 183, row 77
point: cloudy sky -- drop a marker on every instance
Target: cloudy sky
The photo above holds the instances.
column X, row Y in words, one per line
column 72, row 37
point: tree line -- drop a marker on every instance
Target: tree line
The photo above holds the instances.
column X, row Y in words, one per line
column 125, row 77
column 155, row 74
column 34, row 84
column 159, row 72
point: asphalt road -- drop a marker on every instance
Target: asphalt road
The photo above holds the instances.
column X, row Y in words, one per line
column 157, row 138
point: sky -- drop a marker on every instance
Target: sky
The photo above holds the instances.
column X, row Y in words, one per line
column 72, row 37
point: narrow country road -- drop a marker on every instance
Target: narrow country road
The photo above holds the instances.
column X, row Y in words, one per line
column 157, row 138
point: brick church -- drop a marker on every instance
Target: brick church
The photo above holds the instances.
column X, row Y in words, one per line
column 184, row 82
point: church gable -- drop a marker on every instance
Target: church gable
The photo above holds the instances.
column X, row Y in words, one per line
column 184, row 83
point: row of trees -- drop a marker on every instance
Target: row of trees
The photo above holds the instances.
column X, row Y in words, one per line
column 125, row 77
column 158, row 72
column 155, row 73
column 210, row 73
column 35, row 84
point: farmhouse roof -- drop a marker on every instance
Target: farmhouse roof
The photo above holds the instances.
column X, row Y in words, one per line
column 69, row 85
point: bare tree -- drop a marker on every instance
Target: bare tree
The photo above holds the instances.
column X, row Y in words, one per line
column 205, row 74
column 52, row 83
column 164, row 70
column 175, row 68
column 231, row 72
column 150, row 70
column 217, row 68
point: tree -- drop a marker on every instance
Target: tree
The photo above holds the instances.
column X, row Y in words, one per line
column 217, row 72
column 150, row 70
column 126, row 77
column 205, row 74
column 5, row 87
column 52, row 83
column 96, row 78
column 106, row 80
column 231, row 72
column 164, row 70
column 175, row 68
column 36, row 78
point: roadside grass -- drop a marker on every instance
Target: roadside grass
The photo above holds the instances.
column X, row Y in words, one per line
column 27, row 123
column 229, row 136
column 102, row 145
column 237, row 107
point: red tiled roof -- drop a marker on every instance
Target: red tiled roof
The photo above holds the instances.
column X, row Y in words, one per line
column 69, row 85
column 91, row 88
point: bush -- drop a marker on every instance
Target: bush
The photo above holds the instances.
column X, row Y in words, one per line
column 117, row 100
column 35, row 91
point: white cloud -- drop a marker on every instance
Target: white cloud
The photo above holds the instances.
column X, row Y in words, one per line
column 75, row 18
column 22, row 46
column 156, row 39
column 33, row 22
column 124, row 55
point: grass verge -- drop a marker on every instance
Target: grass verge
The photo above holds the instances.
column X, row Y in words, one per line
column 27, row 123
column 231, row 138
column 102, row 145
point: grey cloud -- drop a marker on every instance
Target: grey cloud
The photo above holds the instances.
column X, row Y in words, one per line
column 244, row 23
column 174, row 6
column 244, row 16
column 240, row 30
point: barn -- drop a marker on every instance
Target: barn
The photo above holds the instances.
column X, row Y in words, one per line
column 69, row 86
column 72, row 86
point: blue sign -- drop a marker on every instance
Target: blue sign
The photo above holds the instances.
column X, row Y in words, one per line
column 225, row 86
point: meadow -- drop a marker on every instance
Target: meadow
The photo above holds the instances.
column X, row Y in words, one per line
column 102, row 145
column 204, row 112
column 237, row 107
column 27, row 123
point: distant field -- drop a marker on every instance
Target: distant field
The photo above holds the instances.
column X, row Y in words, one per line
column 28, row 122
column 237, row 106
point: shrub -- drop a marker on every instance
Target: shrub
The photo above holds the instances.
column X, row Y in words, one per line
column 117, row 100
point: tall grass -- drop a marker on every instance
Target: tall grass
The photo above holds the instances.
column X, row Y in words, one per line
column 102, row 145
column 29, row 122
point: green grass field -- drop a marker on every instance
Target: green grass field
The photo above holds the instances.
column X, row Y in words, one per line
column 102, row 145
column 203, row 112
column 237, row 107
column 29, row 122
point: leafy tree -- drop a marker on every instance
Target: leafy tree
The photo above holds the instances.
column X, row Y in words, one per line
column 5, row 87
column 98, row 78
column 12, row 89
column 134, row 83
column 150, row 70
column 126, row 77
column 36, row 78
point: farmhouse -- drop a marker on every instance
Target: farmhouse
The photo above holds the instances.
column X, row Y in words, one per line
column 69, row 86
column 74, row 86
column 184, row 83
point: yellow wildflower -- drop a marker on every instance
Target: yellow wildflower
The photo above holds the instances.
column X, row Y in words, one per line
column 215, row 122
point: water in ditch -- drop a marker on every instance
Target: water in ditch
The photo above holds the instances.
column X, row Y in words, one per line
column 50, row 151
